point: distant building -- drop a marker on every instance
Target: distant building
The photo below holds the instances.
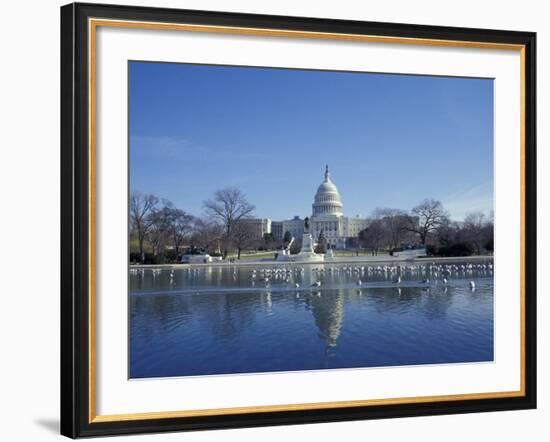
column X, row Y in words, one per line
column 327, row 215
column 277, row 230
column 259, row 226
column 295, row 226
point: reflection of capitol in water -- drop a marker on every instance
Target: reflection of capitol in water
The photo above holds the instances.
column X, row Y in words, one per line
column 231, row 296
column 252, row 319
column 328, row 311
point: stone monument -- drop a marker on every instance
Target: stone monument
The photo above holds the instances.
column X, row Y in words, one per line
column 284, row 253
column 307, row 252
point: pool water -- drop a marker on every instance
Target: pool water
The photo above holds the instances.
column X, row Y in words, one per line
column 245, row 319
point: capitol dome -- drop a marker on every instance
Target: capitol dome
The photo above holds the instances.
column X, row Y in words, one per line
column 327, row 199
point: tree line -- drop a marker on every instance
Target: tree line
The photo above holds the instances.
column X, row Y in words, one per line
column 429, row 225
column 161, row 232
column 158, row 229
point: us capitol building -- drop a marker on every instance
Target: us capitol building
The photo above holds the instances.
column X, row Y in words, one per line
column 327, row 215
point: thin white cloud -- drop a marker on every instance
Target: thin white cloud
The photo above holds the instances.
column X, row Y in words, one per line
column 167, row 147
column 159, row 146
column 476, row 198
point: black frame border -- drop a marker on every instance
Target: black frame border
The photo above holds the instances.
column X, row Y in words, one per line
column 75, row 220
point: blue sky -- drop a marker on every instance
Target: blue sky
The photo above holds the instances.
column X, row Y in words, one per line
column 389, row 140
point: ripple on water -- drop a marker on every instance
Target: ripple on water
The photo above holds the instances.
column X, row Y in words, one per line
column 189, row 326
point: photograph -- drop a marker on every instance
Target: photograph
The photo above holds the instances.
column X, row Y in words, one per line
column 284, row 219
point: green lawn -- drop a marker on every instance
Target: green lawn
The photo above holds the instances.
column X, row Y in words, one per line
column 253, row 256
column 351, row 253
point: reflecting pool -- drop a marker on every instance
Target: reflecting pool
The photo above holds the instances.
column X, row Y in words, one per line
column 244, row 319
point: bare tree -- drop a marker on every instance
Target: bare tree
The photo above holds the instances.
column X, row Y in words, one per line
column 141, row 207
column 394, row 223
column 427, row 217
column 489, row 232
column 157, row 233
column 373, row 236
column 447, row 232
column 206, row 234
column 475, row 228
column 242, row 236
column 228, row 206
column 179, row 225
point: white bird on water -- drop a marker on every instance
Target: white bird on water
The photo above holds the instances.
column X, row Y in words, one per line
column 472, row 285
column 297, row 285
column 359, row 282
column 316, row 284
column 398, row 280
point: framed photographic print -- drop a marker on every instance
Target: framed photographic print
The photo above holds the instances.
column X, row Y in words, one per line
column 274, row 220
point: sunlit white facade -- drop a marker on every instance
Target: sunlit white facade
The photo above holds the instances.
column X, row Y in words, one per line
column 327, row 215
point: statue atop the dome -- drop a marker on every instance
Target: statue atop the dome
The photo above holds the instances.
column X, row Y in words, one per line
column 327, row 175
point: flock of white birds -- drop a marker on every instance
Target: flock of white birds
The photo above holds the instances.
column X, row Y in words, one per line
column 425, row 274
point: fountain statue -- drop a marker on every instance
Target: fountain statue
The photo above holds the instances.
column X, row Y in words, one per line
column 307, row 252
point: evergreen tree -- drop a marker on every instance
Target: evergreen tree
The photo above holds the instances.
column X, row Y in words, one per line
column 321, row 243
column 287, row 237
